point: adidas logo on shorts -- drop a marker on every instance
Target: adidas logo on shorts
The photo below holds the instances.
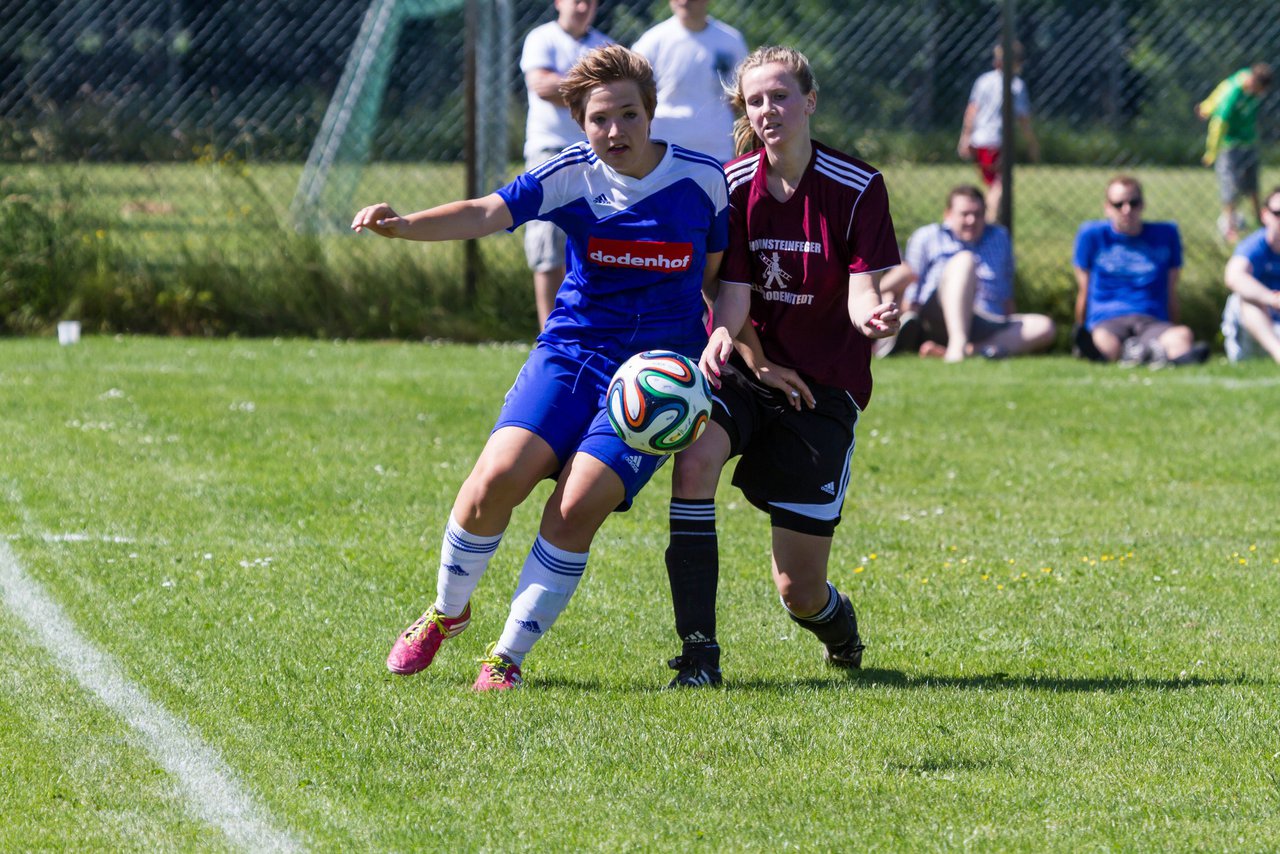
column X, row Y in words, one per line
column 829, row 488
column 602, row 199
column 634, row 462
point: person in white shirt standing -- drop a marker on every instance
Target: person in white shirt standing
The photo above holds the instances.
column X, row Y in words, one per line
column 693, row 56
column 550, row 50
column 982, row 133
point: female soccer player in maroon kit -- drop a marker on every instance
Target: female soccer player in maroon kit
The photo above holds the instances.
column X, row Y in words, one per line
column 809, row 236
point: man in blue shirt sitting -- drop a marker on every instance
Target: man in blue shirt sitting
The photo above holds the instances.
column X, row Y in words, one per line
column 1251, row 319
column 956, row 285
column 1127, row 270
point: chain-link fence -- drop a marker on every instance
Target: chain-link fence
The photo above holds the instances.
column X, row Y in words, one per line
column 164, row 147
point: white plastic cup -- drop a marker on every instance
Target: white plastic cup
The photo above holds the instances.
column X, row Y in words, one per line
column 68, row 332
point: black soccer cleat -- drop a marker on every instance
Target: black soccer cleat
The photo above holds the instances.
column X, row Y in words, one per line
column 848, row 654
column 696, row 669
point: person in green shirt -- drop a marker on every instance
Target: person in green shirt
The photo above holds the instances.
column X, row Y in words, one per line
column 1232, row 143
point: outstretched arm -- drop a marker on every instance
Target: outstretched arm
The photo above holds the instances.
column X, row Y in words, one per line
column 462, row 220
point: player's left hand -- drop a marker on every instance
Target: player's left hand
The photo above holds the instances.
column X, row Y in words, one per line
column 883, row 321
column 793, row 388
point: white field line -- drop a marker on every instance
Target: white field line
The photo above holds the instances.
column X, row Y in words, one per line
column 212, row 792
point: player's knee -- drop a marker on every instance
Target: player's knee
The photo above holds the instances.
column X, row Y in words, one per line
column 695, row 472
column 493, row 488
column 571, row 524
column 1177, row 341
column 1041, row 332
column 802, row 600
column 1108, row 344
column 963, row 263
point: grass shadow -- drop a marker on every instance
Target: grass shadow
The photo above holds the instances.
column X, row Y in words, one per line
column 902, row 680
column 998, row 682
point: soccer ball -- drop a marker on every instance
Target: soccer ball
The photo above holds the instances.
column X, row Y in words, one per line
column 659, row 402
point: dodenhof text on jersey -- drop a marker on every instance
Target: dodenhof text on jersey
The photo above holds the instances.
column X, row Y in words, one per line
column 645, row 254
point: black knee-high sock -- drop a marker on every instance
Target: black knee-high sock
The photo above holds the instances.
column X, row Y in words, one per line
column 832, row 625
column 693, row 568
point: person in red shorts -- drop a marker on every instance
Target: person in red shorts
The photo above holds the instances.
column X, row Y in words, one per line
column 809, row 237
column 982, row 134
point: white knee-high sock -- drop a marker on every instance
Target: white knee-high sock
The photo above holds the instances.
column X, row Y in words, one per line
column 547, row 581
column 463, row 559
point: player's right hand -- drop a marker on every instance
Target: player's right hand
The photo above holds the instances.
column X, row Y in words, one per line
column 380, row 219
column 715, row 354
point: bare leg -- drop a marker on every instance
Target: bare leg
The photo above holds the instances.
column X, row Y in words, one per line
column 955, row 294
column 587, row 492
column 800, row 570
column 1108, row 344
column 510, row 466
column 1029, row 333
column 1257, row 322
column 1229, row 231
column 1176, row 341
column 994, row 195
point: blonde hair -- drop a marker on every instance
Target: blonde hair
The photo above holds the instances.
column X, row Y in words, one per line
column 797, row 65
column 607, row 65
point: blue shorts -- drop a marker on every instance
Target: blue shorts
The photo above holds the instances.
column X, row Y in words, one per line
column 559, row 395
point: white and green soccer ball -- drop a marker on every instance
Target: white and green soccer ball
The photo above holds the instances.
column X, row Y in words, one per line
column 659, row 402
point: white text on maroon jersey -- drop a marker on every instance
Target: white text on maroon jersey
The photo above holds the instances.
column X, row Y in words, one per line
column 772, row 245
column 640, row 254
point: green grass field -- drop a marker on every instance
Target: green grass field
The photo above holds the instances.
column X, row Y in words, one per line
column 209, row 248
column 1066, row 575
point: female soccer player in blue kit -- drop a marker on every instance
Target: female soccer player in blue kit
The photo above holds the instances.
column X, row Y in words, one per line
column 646, row 223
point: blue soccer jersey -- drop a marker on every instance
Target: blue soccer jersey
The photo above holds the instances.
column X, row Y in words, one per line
column 637, row 248
column 1128, row 274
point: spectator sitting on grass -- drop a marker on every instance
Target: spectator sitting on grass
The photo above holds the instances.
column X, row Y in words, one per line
column 1251, row 319
column 956, row 281
column 1127, row 270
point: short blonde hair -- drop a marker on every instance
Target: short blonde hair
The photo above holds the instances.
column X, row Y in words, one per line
column 796, row 63
column 607, row 65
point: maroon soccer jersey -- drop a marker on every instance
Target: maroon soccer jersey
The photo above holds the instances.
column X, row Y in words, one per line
column 797, row 256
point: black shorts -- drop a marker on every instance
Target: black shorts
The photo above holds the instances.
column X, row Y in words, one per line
column 1144, row 327
column 795, row 464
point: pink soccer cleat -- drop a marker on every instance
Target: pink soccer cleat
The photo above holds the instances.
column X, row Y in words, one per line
column 416, row 648
column 497, row 673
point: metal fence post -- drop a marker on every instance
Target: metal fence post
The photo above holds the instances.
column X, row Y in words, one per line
column 471, row 252
column 1008, row 138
